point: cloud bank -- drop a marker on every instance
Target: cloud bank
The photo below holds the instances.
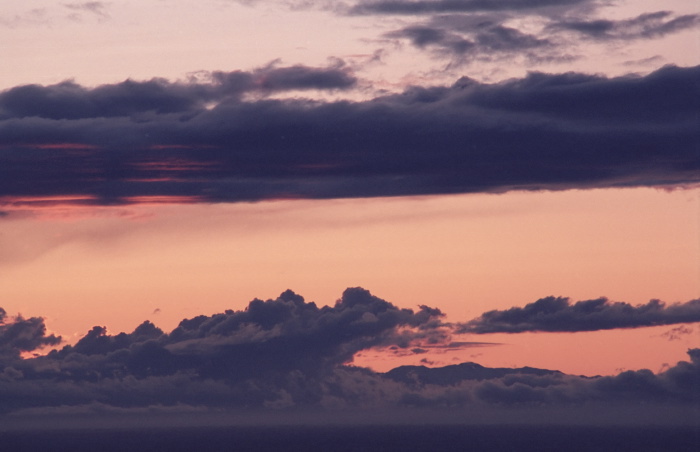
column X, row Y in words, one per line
column 286, row 355
column 558, row 314
column 274, row 353
column 206, row 140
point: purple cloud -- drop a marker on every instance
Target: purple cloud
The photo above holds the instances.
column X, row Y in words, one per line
column 557, row 314
column 202, row 142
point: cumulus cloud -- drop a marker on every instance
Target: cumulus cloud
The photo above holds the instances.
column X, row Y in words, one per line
column 288, row 354
column 272, row 351
column 202, row 141
column 289, row 334
column 559, row 314
column 19, row 335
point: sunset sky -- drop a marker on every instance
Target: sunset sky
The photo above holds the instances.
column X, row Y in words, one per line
column 167, row 159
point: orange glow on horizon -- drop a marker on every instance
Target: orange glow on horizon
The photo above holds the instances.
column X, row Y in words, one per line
column 464, row 254
column 80, row 207
column 35, row 202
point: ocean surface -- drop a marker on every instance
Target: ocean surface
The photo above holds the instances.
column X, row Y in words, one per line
column 388, row 438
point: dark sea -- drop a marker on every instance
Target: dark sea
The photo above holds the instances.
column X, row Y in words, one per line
column 399, row 438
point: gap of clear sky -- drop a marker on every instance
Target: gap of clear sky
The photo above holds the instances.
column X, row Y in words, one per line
column 161, row 160
column 465, row 254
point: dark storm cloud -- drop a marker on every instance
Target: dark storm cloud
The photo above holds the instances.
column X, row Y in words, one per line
column 68, row 100
column 203, row 141
column 289, row 334
column 644, row 26
column 238, row 357
column 454, row 6
column 19, row 335
column 285, row 354
column 274, row 354
column 559, row 314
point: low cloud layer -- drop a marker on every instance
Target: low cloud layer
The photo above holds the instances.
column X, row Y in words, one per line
column 287, row 354
column 558, row 314
column 275, row 352
column 205, row 141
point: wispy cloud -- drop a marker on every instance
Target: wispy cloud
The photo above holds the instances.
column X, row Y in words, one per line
column 98, row 9
column 475, row 31
column 644, row 26
column 485, row 39
column 678, row 333
column 32, row 17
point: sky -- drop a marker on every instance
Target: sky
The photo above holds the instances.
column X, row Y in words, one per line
column 276, row 204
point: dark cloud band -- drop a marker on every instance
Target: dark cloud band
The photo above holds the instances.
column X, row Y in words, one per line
column 453, row 6
column 203, row 142
column 557, row 314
